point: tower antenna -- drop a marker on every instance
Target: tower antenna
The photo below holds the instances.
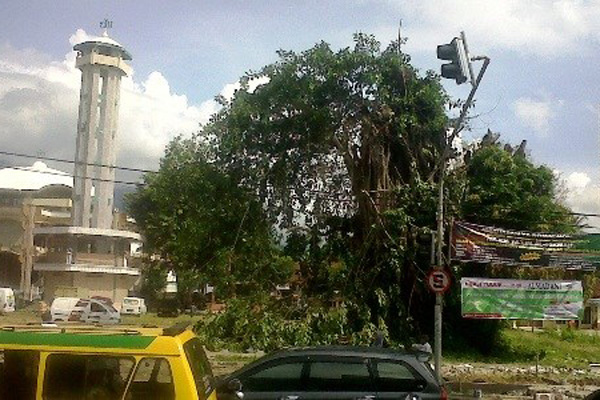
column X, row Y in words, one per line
column 106, row 25
column 400, row 36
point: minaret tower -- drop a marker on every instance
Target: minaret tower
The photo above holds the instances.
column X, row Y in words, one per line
column 102, row 62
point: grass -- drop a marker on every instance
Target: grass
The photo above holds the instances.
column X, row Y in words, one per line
column 224, row 362
column 20, row 317
column 561, row 348
column 162, row 322
column 28, row 316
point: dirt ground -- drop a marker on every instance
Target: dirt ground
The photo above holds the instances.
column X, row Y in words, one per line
column 508, row 381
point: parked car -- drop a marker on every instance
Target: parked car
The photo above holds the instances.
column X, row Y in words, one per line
column 62, row 307
column 7, row 300
column 95, row 362
column 83, row 310
column 133, row 306
column 335, row 372
column 99, row 311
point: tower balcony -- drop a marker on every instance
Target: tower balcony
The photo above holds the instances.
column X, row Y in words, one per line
column 104, row 60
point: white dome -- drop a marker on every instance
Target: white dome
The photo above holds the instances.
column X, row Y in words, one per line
column 35, row 177
column 103, row 41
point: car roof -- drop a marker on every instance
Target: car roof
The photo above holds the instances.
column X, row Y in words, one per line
column 344, row 351
column 97, row 339
column 372, row 351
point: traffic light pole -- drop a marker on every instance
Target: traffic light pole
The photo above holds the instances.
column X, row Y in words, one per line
column 458, row 126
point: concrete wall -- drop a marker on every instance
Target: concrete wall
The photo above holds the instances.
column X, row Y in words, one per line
column 115, row 287
column 11, row 235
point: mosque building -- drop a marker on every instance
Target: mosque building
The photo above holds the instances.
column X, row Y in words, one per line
column 59, row 234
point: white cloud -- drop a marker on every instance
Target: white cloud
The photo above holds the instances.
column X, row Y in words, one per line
column 577, row 182
column 230, row 89
column 582, row 196
column 587, row 201
column 535, row 114
column 540, row 27
column 39, row 102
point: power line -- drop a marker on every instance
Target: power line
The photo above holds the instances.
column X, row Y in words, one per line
column 83, row 177
column 327, row 196
column 585, row 214
column 62, row 160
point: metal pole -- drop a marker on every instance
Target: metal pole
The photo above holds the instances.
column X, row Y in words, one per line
column 458, row 126
column 463, row 37
column 437, row 326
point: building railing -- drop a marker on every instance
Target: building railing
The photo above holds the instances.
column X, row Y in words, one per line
column 89, row 258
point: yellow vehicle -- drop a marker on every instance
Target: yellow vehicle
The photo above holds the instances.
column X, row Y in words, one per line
column 96, row 363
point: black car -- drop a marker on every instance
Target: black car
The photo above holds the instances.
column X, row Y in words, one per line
column 334, row 372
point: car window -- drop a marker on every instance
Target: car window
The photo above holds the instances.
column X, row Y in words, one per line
column 397, row 377
column 18, row 374
column 274, row 377
column 89, row 376
column 199, row 366
column 152, row 380
column 339, row 375
column 82, row 303
column 97, row 307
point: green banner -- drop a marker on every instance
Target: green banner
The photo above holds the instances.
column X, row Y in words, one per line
column 484, row 298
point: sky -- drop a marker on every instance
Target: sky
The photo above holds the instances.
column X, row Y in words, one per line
column 541, row 86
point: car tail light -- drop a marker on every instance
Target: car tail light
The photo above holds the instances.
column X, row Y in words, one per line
column 443, row 393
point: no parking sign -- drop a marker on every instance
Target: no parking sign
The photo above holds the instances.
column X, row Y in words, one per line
column 438, row 280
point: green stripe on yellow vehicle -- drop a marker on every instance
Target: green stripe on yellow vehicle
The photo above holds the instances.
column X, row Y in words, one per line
column 75, row 340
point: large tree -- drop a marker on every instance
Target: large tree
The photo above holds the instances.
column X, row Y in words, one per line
column 340, row 150
column 333, row 132
column 203, row 225
column 345, row 144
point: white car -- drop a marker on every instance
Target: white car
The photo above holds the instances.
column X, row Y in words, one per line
column 133, row 306
column 7, row 300
column 62, row 308
column 101, row 312
column 83, row 310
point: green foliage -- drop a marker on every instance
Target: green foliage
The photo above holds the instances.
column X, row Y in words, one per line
column 344, row 143
column 154, row 279
column 268, row 324
column 329, row 129
column 204, row 225
column 511, row 192
column 496, row 187
column 340, row 150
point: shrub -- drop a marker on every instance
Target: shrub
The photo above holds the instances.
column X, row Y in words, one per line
column 268, row 325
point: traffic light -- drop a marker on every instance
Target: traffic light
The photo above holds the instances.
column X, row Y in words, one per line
column 458, row 67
